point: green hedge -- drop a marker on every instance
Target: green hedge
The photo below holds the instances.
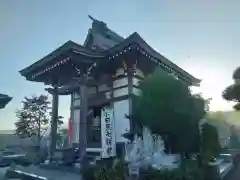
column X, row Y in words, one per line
column 105, row 170
column 23, row 161
column 190, row 173
column 189, row 170
column 11, row 174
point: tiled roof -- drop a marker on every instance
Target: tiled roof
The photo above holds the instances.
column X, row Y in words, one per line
column 101, row 42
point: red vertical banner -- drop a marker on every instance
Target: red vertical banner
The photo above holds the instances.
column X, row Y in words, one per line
column 69, row 132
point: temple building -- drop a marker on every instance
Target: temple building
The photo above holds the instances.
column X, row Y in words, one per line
column 4, row 100
column 110, row 67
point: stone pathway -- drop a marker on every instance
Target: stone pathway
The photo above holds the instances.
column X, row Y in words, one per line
column 2, row 172
column 234, row 174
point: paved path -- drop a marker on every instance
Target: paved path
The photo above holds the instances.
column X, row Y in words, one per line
column 2, row 172
column 234, row 174
column 51, row 174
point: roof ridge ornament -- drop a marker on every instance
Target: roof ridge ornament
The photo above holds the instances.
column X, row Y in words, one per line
column 93, row 19
column 96, row 24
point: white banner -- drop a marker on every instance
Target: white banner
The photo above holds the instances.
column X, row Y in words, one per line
column 108, row 133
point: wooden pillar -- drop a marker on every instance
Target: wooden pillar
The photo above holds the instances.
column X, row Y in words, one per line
column 130, row 91
column 130, row 97
column 54, row 122
column 130, row 69
column 72, row 108
column 83, row 119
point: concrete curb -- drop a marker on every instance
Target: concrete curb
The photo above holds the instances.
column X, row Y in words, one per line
column 11, row 173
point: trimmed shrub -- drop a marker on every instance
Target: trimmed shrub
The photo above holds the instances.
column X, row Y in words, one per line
column 189, row 170
column 89, row 173
column 108, row 170
column 11, row 174
column 22, row 161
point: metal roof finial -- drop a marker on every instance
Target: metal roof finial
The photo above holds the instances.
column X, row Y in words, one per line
column 96, row 24
column 93, row 19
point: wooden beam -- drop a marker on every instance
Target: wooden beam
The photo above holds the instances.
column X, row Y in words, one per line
column 75, row 84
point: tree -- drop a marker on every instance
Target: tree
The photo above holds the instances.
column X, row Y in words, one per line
column 232, row 92
column 167, row 107
column 210, row 146
column 34, row 118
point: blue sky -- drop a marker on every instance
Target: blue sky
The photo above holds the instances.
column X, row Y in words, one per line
column 200, row 36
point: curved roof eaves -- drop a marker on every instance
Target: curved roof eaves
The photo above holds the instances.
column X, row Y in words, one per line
column 69, row 45
column 135, row 38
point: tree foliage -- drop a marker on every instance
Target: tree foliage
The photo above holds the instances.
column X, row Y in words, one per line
column 167, row 107
column 232, row 92
column 34, row 118
column 209, row 142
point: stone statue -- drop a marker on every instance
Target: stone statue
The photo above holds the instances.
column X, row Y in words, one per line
column 149, row 151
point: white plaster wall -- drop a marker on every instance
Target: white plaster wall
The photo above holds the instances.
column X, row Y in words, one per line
column 76, row 102
column 120, row 82
column 120, row 92
column 103, row 87
column 136, row 81
column 120, row 71
column 75, row 125
column 76, row 99
column 122, row 125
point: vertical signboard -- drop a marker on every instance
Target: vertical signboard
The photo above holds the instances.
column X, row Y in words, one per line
column 108, row 133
